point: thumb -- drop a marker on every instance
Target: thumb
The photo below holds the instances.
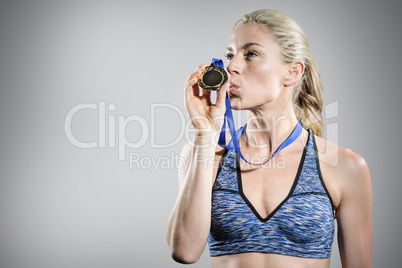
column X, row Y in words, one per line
column 221, row 97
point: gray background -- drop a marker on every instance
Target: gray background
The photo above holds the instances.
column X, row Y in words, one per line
column 64, row 206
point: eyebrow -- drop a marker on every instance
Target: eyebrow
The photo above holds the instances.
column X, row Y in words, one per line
column 245, row 46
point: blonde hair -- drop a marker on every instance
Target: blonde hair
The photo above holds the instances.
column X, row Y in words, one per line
column 308, row 92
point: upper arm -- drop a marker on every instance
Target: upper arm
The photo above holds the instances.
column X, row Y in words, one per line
column 354, row 212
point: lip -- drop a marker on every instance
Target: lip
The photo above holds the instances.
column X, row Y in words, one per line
column 232, row 87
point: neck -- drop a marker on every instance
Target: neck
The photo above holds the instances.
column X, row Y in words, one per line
column 269, row 128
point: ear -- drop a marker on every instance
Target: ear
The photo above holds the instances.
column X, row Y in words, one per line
column 294, row 73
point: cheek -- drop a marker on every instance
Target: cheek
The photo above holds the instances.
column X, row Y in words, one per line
column 265, row 76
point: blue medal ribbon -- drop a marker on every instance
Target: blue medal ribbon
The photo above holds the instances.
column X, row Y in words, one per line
column 234, row 143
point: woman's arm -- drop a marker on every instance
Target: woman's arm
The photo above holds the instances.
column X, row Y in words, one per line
column 355, row 233
column 190, row 220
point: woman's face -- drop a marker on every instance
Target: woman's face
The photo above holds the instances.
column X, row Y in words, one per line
column 256, row 68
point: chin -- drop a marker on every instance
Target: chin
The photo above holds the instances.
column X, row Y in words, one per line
column 235, row 103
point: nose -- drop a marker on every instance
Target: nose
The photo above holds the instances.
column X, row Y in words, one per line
column 234, row 66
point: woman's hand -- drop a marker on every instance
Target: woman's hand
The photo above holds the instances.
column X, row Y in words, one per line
column 205, row 116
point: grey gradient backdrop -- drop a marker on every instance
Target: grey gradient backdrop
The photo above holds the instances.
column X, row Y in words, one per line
column 63, row 206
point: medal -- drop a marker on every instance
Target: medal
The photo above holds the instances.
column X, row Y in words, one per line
column 212, row 77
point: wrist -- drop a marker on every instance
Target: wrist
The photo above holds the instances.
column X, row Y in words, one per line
column 206, row 139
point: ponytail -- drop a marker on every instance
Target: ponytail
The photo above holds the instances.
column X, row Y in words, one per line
column 308, row 99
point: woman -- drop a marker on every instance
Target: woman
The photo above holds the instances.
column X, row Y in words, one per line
column 280, row 213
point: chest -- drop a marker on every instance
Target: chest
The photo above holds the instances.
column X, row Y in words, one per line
column 266, row 187
column 272, row 209
column 302, row 223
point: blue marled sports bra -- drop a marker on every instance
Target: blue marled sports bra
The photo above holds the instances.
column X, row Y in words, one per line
column 302, row 225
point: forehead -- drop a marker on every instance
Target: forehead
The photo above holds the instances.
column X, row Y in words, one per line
column 250, row 33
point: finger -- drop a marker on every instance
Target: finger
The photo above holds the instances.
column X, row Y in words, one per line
column 196, row 73
column 196, row 88
column 192, row 79
column 206, row 96
column 189, row 89
column 221, row 97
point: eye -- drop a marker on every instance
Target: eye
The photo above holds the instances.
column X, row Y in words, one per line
column 251, row 54
column 229, row 56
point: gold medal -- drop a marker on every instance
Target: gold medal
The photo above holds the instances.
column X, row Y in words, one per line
column 212, row 78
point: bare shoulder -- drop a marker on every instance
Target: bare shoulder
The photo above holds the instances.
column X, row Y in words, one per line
column 343, row 159
column 344, row 170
